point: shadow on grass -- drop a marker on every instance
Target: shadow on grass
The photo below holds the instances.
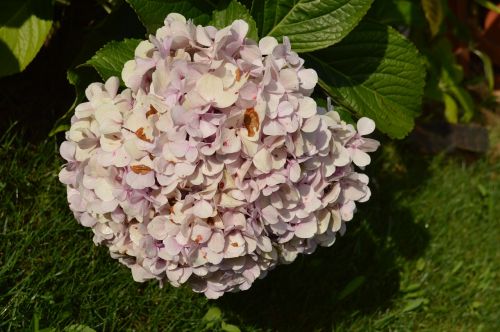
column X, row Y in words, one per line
column 358, row 275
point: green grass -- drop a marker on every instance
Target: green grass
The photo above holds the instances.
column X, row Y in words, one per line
column 421, row 255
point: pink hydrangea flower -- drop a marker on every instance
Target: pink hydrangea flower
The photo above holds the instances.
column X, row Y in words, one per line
column 214, row 164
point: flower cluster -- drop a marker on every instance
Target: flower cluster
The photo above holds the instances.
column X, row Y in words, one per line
column 214, row 165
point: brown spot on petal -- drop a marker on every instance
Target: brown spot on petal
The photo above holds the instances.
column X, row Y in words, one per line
column 152, row 111
column 234, row 244
column 198, row 238
column 140, row 134
column 251, row 121
column 238, row 74
column 210, row 221
column 140, row 169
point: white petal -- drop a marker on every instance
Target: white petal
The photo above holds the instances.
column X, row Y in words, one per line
column 307, row 107
column 308, row 78
column 208, row 86
column 216, row 242
column 202, row 209
column 306, row 229
column 311, row 124
column 104, row 190
column 157, row 227
column 289, row 79
column 263, row 160
column 273, row 128
column 201, row 233
column 365, row 126
column 360, row 158
column 267, row 45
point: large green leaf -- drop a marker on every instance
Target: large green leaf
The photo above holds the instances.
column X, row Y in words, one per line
column 24, row 26
column 374, row 72
column 109, row 60
column 234, row 11
column 152, row 13
column 310, row 24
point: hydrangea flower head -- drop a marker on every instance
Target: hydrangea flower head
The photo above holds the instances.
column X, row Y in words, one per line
column 214, row 165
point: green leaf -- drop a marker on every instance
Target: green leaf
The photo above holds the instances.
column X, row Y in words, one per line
column 420, row 264
column 374, row 72
column 488, row 69
column 351, row 287
column 434, row 13
column 78, row 328
column 415, row 304
column 212, row 314
column 152, row 13
column 310, row 25
column 450, row 108
column 235, row 11
column 24, row 26
column 229, row 327
column 109, row 60
column 397, row 13
column 450, row 83
column 489, row 5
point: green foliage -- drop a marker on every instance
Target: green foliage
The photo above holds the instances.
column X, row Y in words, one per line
column 397, row 13
column 445, row 82
column 235, row 11
column 488, row 68
column 434, row 12
column 213, row 314
column 152, row 13
column 24, row 27
column 109, row 60
column 229, row 327
column 374, row 72
column 310, row 25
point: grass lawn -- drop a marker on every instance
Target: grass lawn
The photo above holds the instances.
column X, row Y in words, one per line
column 422, row 254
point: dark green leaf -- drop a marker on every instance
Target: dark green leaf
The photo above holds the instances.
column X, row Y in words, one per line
column 229, row 327
column 397, row 12
column 152, row 13
column 212, row 314
column 109, row 60
column 78, row 328
column 24, row 26
column 310, row 25
column 351, row 287
column 234, row 11
column 414, row 304
column 374, row 72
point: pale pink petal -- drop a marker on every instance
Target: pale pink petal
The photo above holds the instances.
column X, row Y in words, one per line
column 263, row 160
column 306, row 229
column 202, row 209
column 365, row 126
column 308, row 78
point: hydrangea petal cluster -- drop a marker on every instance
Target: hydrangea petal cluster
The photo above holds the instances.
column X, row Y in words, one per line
column 213, row 165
